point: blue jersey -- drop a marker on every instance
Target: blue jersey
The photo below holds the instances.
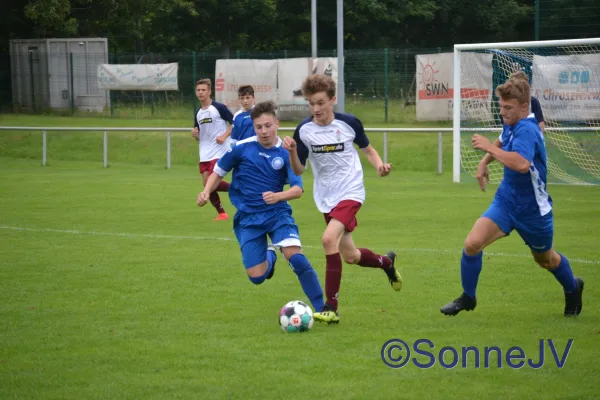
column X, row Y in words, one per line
column 243, row 128
column 257, row 170
column 526, row 193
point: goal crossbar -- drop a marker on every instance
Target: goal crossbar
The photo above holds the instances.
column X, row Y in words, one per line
column 575, row 44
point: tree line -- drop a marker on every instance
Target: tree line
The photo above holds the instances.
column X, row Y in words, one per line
column 143, row 26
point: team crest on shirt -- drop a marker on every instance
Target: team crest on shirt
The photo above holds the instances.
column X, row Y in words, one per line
column 277, row 163
column 338, row 135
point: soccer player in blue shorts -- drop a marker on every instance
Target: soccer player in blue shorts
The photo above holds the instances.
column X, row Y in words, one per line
column 261, row 168
column 521, row 203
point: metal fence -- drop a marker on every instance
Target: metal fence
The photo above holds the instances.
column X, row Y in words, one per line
column 378, row 82
column 168, row 131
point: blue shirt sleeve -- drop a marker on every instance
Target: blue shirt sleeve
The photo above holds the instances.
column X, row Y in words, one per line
column 224, row 112
column 524, row 142
column 292, row 179
column 235, row 129
column 229, row 161
column 300, row 146
column 536, row 109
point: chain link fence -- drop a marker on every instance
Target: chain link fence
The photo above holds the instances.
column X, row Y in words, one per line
column 379, row 83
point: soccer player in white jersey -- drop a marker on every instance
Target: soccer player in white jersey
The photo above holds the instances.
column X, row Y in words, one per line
column 327, row 139
column 243, row 128
column 212, row 128
column 521, row 202
column 261, row 169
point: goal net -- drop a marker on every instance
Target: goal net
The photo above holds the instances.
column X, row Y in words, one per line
column 564, row 76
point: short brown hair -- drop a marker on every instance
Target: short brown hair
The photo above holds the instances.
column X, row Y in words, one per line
column 264, row 107
column 519, row 75
column 245, row 90
column 515, row 88
column 318, row 83
column 204, row 81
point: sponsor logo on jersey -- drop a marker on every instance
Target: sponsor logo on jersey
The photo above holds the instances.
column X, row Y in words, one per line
column 325, row 132
column 327, row 148
column 207, row 120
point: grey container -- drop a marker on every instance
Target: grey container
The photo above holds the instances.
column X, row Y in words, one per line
column 58, row 74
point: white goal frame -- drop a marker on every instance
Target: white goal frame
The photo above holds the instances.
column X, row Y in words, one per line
column 458, row 48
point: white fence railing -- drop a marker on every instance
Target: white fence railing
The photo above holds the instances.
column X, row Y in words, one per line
column 168, row 131
column 439, row 131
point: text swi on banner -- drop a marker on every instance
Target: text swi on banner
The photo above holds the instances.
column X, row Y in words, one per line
column 435, row 87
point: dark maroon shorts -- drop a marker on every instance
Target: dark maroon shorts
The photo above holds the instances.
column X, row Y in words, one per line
column 345, row 212
column 207, row 166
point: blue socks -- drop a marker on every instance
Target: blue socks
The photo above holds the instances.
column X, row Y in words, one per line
column 271, row 258
column 564, row 275
column 470, row 267
column 308, row 280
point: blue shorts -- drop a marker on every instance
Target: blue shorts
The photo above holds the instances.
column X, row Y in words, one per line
column 251, row 231
column 536, row 230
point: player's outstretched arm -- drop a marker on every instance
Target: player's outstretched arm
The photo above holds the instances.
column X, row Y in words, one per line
column 211, row 184
column 376, row 162
column 295, row 192
column 290, row 145
column 509, row 159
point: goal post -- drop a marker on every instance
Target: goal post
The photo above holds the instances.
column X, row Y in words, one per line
column 564, row 76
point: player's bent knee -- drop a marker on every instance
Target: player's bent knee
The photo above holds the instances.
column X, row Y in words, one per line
column 328, row 241
column 473, row 246
column 257, row 280
column 548, row 260
column 352, row 257
column 545, row 263
column 258, row 273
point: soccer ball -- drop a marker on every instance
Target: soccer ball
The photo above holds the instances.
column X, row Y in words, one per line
column 296, row 316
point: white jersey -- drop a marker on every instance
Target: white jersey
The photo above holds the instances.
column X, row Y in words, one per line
column 336, row 164
column 212, row 122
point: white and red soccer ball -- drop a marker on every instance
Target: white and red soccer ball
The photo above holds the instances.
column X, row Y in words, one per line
column 296, row 316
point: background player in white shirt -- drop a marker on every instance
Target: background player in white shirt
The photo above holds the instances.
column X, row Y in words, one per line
column 212, row 128
column 327, row 139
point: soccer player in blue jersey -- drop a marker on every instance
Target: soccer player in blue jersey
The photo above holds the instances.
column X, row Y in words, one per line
column 243, row 128
column 521, row 203
column 261, row 168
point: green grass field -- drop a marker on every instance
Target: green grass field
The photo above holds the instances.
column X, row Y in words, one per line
column 115, row 285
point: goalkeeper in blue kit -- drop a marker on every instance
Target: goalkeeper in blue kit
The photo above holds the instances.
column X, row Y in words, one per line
column 261, row 168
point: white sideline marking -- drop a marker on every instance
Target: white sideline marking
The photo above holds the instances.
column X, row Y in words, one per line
column 154, row 236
